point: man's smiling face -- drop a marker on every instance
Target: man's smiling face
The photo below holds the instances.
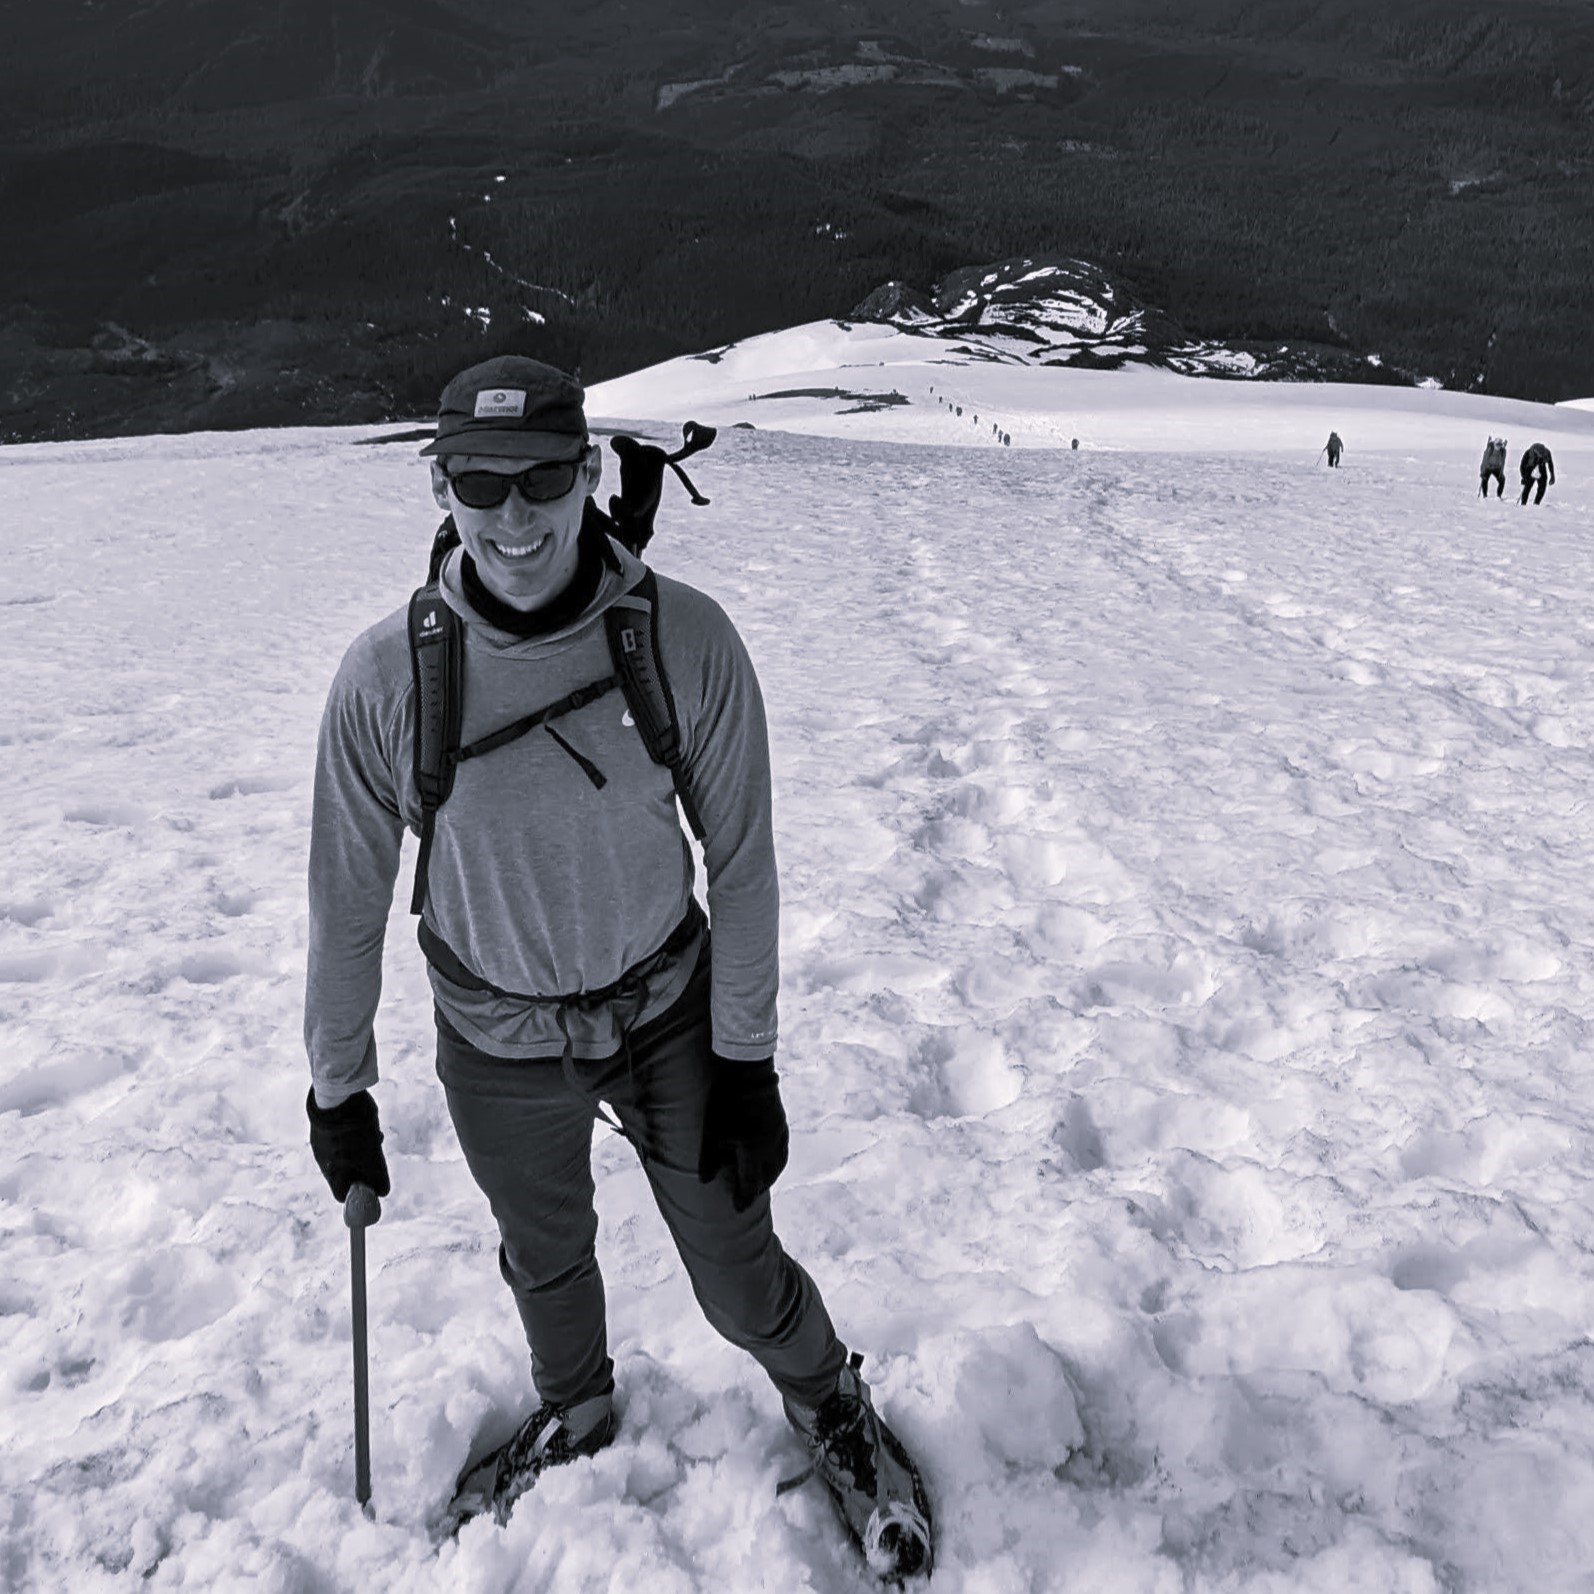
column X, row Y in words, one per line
column 525, row 551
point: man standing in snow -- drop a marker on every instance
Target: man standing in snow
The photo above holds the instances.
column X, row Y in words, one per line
column 569, row 963
column 1538, row 469
column 1334, row 449
column 1493, row 466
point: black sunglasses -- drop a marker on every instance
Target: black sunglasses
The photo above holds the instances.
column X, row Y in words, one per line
column 541, row 483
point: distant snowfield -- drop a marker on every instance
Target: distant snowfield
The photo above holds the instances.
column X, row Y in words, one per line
column 1185, row 1025
column 832, row 378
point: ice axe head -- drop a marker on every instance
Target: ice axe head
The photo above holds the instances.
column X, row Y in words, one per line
column 360, row 1207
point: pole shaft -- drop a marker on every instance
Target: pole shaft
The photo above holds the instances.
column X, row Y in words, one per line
column 362, row 1390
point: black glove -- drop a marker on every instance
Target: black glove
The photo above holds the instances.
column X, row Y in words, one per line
column 347, row 1142
column 744, row 1129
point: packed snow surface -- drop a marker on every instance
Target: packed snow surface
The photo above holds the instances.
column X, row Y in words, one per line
column 1186, row 859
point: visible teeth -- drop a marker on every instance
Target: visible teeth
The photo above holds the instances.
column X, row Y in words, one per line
column 522, row 551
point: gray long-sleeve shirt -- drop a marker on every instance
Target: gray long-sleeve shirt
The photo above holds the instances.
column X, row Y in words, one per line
column 539, row 881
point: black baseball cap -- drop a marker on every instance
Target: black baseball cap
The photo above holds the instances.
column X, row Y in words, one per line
column 513, row 407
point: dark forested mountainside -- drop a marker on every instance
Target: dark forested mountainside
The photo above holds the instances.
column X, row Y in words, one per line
column 239, row 212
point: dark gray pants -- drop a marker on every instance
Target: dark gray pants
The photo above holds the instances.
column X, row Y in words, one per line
column 527, row 1138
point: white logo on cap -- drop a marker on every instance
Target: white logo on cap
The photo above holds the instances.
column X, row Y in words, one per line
column 501, row 401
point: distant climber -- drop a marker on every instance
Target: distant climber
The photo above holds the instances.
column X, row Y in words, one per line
column 1493, row 465
column 1333, row 448
column 1537, row 468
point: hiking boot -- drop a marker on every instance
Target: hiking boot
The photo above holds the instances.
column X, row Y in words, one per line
column 871, row 1478
column 549, row 1437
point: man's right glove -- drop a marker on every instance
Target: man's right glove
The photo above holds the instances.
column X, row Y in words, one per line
column 347, row 1142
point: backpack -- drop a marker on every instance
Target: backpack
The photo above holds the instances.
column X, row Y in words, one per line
column 437, row 651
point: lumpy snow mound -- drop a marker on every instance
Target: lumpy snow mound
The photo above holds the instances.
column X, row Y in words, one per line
column 1185, row 1025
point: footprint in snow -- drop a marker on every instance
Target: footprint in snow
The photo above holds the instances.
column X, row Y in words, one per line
column 211, row 967
column 110, row 816
column 248, row 786
column 171, row 1293
column 27, row 913
column 61, row 1080
column 962, row 1073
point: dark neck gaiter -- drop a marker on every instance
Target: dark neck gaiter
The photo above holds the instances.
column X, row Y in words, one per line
column 552, row 616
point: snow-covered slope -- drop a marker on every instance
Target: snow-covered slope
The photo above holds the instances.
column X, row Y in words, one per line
column 862, row 379
column 1187, row 996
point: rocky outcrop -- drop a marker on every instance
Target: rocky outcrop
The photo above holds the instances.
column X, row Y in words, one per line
column 1057, row 310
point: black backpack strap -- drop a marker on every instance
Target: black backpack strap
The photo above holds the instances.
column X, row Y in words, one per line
column 437, row 654
column 633, row 626
column 453, row 968
column 444, row 540
column 579, row 698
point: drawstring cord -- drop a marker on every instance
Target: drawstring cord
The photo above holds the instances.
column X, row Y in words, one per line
column 633, row 994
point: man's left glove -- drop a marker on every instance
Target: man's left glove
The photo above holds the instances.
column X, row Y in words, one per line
column 744, row 1129
column 347, row 1142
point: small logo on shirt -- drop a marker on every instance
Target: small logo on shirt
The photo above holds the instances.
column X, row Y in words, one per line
column 501, row 401
column 625, row 718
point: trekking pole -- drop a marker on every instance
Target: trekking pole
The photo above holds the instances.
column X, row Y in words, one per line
column 360, row 1209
